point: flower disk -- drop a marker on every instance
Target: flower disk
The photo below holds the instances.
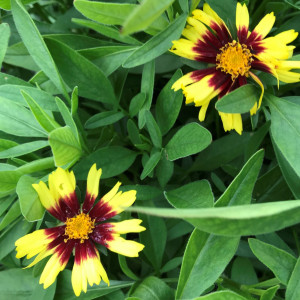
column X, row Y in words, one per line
column 235, row 59
column 79, row 227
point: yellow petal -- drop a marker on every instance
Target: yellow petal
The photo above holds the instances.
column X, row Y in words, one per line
column 93, row 181
column 64, row 182
column 184, row 48
column 51, row 270
column 242, row 16
column 127, row 226
column 46, row 198
column 124, row 247
column 121, row 201
column 257, row 80
column 202, row 112
column 265, row 25
column 107, row 197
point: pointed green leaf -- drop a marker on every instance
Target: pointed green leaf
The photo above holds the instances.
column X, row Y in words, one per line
column 189, row 139
column 235, row 220
column 23, row 149
column 168, row 105
column 30, row 204
column 35, row 44
column 280, row 262
column 78, row 71
column 46, row 121
column 65, row 146
column 241, row 188
column 157, row 45
column 4, row 33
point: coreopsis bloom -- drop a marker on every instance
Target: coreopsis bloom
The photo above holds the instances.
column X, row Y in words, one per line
column 207, row 39
column 82, row 228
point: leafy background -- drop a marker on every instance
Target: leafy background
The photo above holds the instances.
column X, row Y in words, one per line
column 88, row 82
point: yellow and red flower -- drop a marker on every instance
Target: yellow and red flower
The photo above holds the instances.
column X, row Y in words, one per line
column 207, row 39
column 82, row 228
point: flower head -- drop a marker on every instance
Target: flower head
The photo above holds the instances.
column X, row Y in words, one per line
column 207, row 39
column 82, row 228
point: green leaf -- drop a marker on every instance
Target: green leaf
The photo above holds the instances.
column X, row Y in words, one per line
column 35, row 44
column 105, row 13
column 152, row 288
column 189, row 139
column 151, row 164
column 195, row 194
column 144, row 15
column 43, row 294
column 242, row 271
column 157, row 45
column 278, row 261
column 4, row 33
column 13, row 93
column 30, row 204
column 67, row 116
column 74, row 101
column 78, row 71
column 8, row 180
column 235, row 220
column 241, row 188
column 9, row 237
column 222, row 295
column 40, row 115
column 13, row 213
column 164, row 171
column 112, row 160
column 168, row 105
column 143, row 192
column 240, row 100
column 5, row 4
column 221, row 152
column 256, row 139
column 64, row 290
column 205, row 258
column 147, row 87
column 285, row 133
column 153, row 130
column 23, row 149
column 270, row 293
column 154, row 238
column 103, row 119
column 293, row 287
column 65, row 147
column 107, row 31
column 17, row 120
column 136, row 104
column 10, row 290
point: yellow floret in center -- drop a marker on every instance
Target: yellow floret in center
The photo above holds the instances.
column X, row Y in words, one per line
column 234, row 59
column 79, row 227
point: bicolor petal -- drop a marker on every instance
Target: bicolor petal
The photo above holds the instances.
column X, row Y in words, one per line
column 242, row 22
column 92, row 188
column 65, row 183
column 56, row 263
column 87, row 268
column 262, row 28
